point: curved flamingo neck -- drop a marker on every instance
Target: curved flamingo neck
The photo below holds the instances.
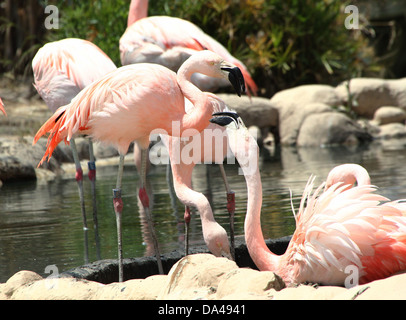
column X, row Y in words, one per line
column 199, row 116
column 138, row 10
column 348, row 173
column 263, row 258
column 245, row 149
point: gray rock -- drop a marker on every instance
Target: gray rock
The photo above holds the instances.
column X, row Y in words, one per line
column 330, row 128
column 385, row 115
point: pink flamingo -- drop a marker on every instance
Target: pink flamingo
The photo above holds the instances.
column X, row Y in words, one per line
column 61, row 70
column 133, row 101
column 348, row 174
column 334, row 229
column 2, row 107
column 170, row 41
column 214, row 235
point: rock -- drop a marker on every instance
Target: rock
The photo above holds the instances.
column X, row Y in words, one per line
column 248, row 281
column 18, row 280
column 307, row 292
column 385, row 115
column 195, row 276
column 58, row 289
column 330, row 128
column 295, row 104
column 392, row 130
column 397, row 91
column 368, row 93
column 137, row 289
column 255, row 111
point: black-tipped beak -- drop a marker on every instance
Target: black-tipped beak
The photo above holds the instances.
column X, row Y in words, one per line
column 224, row 118
column 236, row 79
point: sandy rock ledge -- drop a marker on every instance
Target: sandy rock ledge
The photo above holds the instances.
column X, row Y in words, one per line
column 198, row 276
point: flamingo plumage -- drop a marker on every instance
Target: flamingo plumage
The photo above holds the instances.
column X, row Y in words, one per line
column 169, row 41
column 2, row 107
column 61, row 70
column 203, row 147
column 337, row 228
column 129, row 103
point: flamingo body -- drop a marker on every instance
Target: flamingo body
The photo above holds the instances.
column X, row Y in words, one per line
column 169, row 41
column 130, row 102
column 2, row 107
column 335, row 229
column 63, row 68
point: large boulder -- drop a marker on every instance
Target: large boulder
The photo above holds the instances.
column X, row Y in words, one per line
column 307, row 117
column 369, row 94
column 330, row 128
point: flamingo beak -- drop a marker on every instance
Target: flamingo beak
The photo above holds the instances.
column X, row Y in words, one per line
column 236, row 79
column 224, row 118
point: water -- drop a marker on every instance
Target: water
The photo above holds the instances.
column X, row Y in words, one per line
column 41, row 224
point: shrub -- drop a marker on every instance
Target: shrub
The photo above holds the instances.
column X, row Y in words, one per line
column 284, row 43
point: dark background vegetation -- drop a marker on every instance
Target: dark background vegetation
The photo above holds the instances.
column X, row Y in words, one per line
column 284, row 43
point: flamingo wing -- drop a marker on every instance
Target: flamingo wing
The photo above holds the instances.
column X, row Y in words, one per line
column 63, row 68
column 151, row 37
column 2, row 107
column 339, row 228
column 120, row 108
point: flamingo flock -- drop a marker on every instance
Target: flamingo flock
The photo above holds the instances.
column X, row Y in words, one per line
column 170, row 69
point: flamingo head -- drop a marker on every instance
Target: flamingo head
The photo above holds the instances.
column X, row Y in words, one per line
column 217, row 240
column 212, row 65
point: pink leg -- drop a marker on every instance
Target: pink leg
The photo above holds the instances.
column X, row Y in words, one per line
column 118, row 208
column 230, row 209
column 79, row 180
column 187, row 218
column 145, row 203
column 92, row 177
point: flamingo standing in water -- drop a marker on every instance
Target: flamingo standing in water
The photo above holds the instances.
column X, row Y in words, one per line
column 335, row 229
column 202, row 148
column 2, row 107
column 61, row 70
column 126, row 105
column 170, row 41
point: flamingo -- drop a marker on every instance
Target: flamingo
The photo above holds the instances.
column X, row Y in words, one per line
column 170, row 41
column 2, row 107
column 348, row 174
column 61, row 70
column 201, row 149
column 335, row 229
column 129, row 103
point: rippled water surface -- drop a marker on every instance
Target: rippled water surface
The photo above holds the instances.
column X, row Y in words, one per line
column 41, row 223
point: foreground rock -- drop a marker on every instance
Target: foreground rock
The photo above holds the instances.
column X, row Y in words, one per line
column 198, row 276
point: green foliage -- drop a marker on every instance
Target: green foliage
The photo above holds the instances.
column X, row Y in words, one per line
column 100, row 21
column 284, row 43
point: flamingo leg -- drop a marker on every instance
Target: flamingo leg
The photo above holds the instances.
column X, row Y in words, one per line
column 145, row 203
column 118, row 208
column 230, row 208
column 187, row 218
column 92, row 177
column 79, row 179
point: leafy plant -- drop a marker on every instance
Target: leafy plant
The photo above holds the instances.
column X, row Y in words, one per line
column 284, row 43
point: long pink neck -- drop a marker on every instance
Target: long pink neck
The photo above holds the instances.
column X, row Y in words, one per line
column 348, row 173
column 198, row 118
column 138, row 10
column 263, row 258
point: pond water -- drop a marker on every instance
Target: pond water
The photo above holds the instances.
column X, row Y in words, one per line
column 41, row 223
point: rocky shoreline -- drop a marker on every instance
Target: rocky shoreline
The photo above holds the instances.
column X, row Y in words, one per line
column 195, row 277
